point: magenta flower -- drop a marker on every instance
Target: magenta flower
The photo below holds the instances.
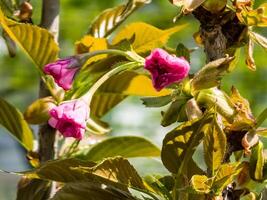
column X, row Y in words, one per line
column 165, row 68
column 63, row 71
column 70, row 118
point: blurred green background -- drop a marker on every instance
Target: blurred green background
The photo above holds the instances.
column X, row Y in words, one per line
column 19, row 79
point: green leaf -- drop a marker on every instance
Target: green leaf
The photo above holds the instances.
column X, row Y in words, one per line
column 175, row 111
column 125, row 146
column 182, row 51
column 211, row 74
column 33, row 189
column 188, row 6
column 256, row 162
column 200, row 183
column 12, row 119
column 91, row 191
column 160, row 185
column 156, row 101
column 147, row 37
column 258, row 39
column 37, row 112
column 111, row 18
column 261, row 118
column 38, row 43
column 214, row 145
column 112, row 170
column 180, row 144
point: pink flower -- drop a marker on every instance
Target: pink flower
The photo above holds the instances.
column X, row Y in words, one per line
column 63, row 71
column 70, row 118
column 165, row 68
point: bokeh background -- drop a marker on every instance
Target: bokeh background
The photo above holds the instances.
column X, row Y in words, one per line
column 19, row 80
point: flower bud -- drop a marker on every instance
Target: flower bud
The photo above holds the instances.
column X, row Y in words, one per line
column 70, row 118
column 63, row 71
column 166, row 69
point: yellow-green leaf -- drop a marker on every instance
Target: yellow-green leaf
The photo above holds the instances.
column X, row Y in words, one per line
column 12, row 119
column 37, row 42
column 130, row 146
column 200, row 184
column 257, row 162
column 119, row 87
column 146, row 37
column 180, row 144
column 88, row 44
column 111, row 18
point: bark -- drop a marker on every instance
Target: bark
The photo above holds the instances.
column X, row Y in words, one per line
column 50, row 21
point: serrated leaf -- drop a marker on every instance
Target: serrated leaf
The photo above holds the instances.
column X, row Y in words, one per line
column 147, row 37
column 119, row 87
column 258, row 39
column 211, row 74
column 214, row 145
column 91, row 191
column 37, row 42
column 180, row 144
column 33, row 189
column 256, row 162
column 157, row 101
column 38, row 111
column 129, row 146
column 111, row 18
column 12, row 119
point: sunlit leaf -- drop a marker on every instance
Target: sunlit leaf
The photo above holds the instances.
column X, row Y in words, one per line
column 188, row 5
column 38, row 43
column 257, row 162
column 113, row 170
column 88, row 44
column 180, row 144
column 12, row 119
column 119, row 87
column 37, row 112
column 147, row 37
column 225, row 175
column 200, row 183
column 214, row 145
column 129, row 146
column 111, row 18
